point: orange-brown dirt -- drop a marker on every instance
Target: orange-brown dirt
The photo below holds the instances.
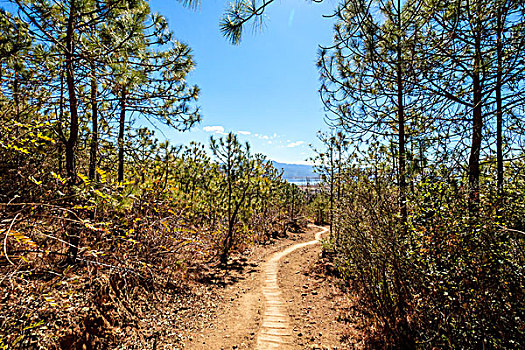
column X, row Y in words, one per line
column 276, row 299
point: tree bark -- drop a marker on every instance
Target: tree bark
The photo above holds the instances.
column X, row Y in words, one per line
column 122, row 122
column 406, row 341
column 229, row 234
column 16, row 95
column 339, row 190
column 94, row 124
column 499, row 107
column 60, row 125
column 477, row 122
column 332, row 189
column 401, row 129
column 71, row 143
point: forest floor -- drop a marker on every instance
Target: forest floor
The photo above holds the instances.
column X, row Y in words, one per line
column 275, row 298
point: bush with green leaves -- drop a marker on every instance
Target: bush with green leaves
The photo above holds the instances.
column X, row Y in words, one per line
column 453, row 280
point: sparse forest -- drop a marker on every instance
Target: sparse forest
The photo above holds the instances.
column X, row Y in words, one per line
column 430, row 232
column 425, row 166
column 104, row 224
column 97, row 214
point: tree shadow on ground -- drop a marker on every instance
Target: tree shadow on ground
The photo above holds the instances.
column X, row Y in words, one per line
column 223, row 275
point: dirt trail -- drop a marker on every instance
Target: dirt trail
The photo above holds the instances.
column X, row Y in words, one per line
column 282, row 299
column 275, row 331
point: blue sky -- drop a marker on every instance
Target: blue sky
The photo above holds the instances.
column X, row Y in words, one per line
column 264, row 89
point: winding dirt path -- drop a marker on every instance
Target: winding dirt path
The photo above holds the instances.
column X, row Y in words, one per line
column 275, row 331
column 281, row 299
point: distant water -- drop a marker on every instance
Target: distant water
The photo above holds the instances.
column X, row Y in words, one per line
column 304, row 182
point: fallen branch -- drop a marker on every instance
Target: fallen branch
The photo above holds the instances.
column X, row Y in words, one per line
column 5, row 239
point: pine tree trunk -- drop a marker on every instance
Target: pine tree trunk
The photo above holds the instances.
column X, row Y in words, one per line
column 94, row 124
column 401, row 134
column 477, row 125
column 331, row 191
column 60, row 125
column 122, row 122
column 293, row 203
column 71, row 143
column 499, row 107
column 229, row 234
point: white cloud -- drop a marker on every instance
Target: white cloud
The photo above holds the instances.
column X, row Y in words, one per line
column 295, row 144
column 216, row 129
column 259, row 136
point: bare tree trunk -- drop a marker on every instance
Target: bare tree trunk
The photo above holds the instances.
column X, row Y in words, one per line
column 499, row 108
column 293, row 203
column 60, row 125
column 477, row 123
column 16, row 95
column 407, row 341
column 94, row 124
column 401, row 130
column 71, row 143
column 227, row 242
column 339, row 191
column 122, row 122
column 229, row 234
column 332, row 190
column 166, row 168
column 16, row 98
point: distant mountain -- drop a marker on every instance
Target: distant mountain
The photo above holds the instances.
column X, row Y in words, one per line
column 296, row 171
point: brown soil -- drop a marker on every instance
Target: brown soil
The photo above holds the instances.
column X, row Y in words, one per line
column 300, row 312
column 322, row 314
